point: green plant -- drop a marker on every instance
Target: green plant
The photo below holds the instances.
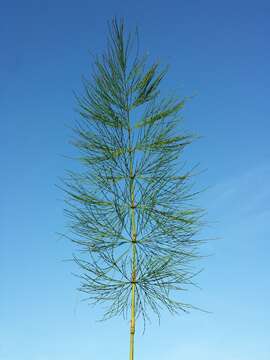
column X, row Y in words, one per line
column 130, row 210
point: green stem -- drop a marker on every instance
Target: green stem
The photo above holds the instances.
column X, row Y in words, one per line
column 133, row 239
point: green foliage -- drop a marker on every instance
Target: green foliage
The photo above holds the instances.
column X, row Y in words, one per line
column 130, row 145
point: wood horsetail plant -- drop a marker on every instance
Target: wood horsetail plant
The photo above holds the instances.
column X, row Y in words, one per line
column 130, row 210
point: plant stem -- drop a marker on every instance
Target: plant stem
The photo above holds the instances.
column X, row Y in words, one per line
column 133, row 239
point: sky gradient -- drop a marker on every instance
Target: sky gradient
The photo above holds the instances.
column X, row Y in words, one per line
column 216, row 50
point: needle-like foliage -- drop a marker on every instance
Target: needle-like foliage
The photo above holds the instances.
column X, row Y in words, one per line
column 130, row 210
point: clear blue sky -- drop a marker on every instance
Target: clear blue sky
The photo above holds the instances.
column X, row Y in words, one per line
column 218, row 49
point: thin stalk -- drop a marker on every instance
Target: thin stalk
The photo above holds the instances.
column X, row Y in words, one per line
column 133, row 239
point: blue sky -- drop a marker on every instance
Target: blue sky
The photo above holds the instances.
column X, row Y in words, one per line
column 218, row 50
